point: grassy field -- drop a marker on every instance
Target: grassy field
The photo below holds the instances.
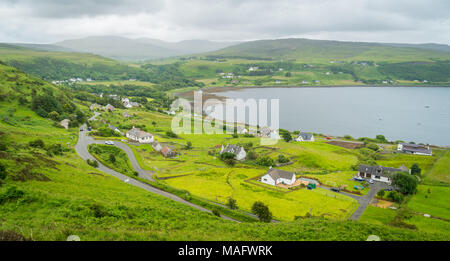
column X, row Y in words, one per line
column 440, row 173
column 432, row 200
column 120, row 161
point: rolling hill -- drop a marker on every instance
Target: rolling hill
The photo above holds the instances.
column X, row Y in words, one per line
column 125, row 49
column 306, row 50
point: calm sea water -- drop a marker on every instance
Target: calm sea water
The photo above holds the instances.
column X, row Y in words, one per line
column 419, row 114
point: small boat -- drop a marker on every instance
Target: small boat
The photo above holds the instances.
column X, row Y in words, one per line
column 427, row 106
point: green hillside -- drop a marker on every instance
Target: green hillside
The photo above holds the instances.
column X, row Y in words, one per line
column 48, row 193
column 305, row 50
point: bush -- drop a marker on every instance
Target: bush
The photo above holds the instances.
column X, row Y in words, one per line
column 216, row 212
column 395, row 196
column 171, row 134
column 55, row 149
column 286, row 136
column 262, row 211
column 92, row 163
column 265, row 161
column 37, row 144
column 112, row 158
column 372, row 146
column 235, row 136
column 406, row 183
column 2, row 171
column 227, row 155
column 232, row 203
column 381, row 193
column 415, row 169
column 11, row 194
column 282, row 159
column 348, row 137
column 188, row 145
column 251, row 155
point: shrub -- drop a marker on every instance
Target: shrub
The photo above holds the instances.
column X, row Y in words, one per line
column 232, row 203
column 2, row 171
column 216, row 212
column 415, row 169
column 381, row 193
column 235, row 136
column 372, row 146
column 348, row 137
column 227, row 155
column 112, row 158
column 265, row 161
column 188, row 145
column 171, row 134
column 11, row 194
column 55, row 149
column 395, row 196
column 92, row 163
column 262, row 211
column 251, row 155
column 282, row 159
column 37, row 144
column 286, row 136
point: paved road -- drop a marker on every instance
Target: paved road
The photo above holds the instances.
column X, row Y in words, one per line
column 363, row 201
column 81, row 149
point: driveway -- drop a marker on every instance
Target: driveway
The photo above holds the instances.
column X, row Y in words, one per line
column 363, row 201
column 81, row 149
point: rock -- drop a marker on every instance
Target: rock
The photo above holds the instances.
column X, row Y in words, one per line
column 427, row 215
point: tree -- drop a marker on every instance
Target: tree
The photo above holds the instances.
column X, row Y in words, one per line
column 406, row 183
column 37, row 143
column 286, row 136
column 288, row 74
column 2, row 171
column 381, row 139
column 154, row 123
column 262, row 211
column 232, row 203
column 53, row 115
column 415, row 169
column 395, row 196
column 282, row 159
column 112, row 158
column 188, row 145
column 372, row 146
column 381, row 193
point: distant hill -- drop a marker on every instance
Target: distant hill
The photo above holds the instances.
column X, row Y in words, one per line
column 125, row 49
column 307, row 50
column 43, row 47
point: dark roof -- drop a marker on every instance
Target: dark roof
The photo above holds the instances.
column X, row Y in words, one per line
column 305, row 136
column 416, row 148
column 379, row 170
column 278, row 173
column 235, row 149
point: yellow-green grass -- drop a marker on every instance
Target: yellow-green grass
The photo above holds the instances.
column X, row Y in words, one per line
column 432, row 200
column 440, row 172
column 431, row 225
column 376, row 215
column 120, row 163
column 220, row 184
column 396, row 160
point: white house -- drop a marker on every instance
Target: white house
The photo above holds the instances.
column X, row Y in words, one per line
column 156, row 146
column 276, row 176
column 303, row 136
column 379, row 173
column 140, row 136
column 238, row 151
column 113, row 128
column 126, row 103
column 415, row 149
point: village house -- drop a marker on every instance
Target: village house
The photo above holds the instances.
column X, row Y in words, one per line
column 276, row 176
column 113, row 128
column 65, row 123
column 156, row 146
column 126, row 103
column 94, row 106
column 139, row 135
column 379, row 173
column 109, row 107
column 303, row 136
column 241, row 130
column 238, row 151
column 126, row 115
column 167, row 152
column 415, row 149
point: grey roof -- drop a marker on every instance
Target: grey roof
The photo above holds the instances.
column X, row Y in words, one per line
column 416, row 148
column 112, row 127
column 235, row 149
column 278, row 173
column 379, row 170
column 136, row 132
column 305, row 135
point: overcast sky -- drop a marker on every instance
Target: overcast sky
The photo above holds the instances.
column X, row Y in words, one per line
column 406, row 21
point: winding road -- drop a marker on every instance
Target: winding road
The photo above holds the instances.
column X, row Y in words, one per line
column 84, row 141
column 82, row 149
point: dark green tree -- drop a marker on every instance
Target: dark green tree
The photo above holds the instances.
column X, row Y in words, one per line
column 415, row 169
column 406, row 183
column 262, row 211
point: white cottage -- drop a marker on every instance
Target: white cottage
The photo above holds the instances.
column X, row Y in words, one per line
column 140, row 136
column 415, row 149
column 276, row 176
column 303, row 136
column 238, row 151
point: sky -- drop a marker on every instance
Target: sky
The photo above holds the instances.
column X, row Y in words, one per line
column 400, row 21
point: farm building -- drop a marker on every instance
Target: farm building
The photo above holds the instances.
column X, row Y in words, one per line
column 415, row 149
column 156, row 146
column 276, row 176
column 109, row 107
column 303, row 136
column 140, row 136
column 379, row 173
column 238, row 151
column 167, row 152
